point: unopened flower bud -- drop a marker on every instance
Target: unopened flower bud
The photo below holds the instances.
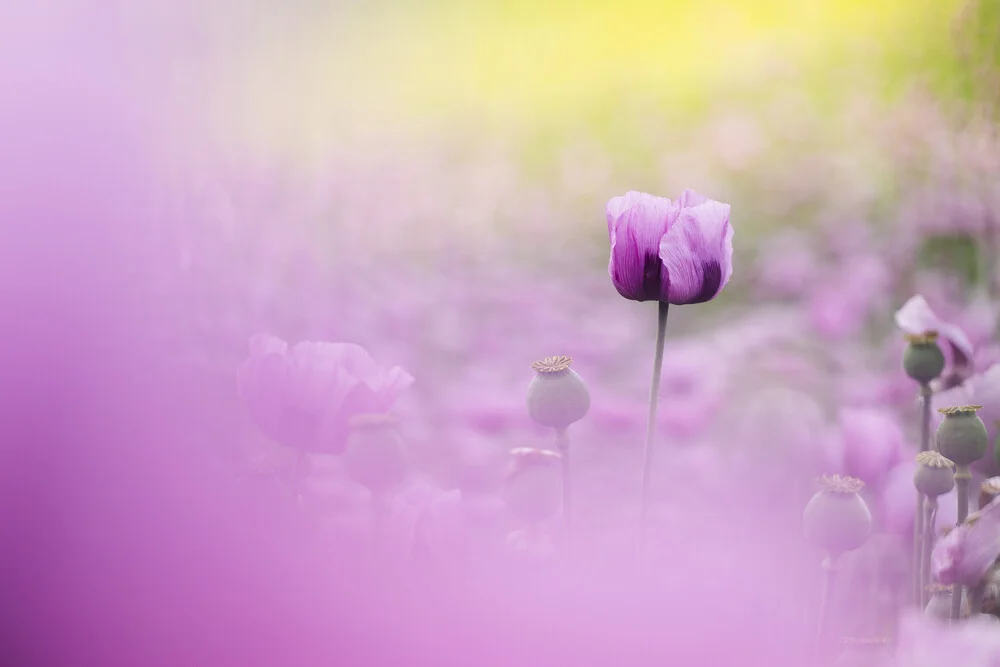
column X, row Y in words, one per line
column 374, row 454
column 923, row 359
column 962, row 435
column 533, row 488
column 557, row 395
column 935, row 475
column 837, row 519
column 988, row 490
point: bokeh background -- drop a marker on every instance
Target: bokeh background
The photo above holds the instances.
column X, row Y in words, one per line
column 428, row 180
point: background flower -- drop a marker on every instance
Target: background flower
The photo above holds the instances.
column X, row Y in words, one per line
column 304, row 397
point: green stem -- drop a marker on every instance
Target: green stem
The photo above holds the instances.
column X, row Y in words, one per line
column 562, row 443
column 654, row 397
column 975, row 597
column 919, row 582
column 826, row 594
column 962, row 477
column 930, row 510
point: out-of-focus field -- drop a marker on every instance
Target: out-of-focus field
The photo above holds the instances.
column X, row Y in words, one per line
column 301, row 77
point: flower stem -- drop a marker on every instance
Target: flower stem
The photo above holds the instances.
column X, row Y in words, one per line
column 562, row 443
column 930, row 510
column 919, row 534
column 962, row 477
column 829, row 581
column 975, row 597
column 654, row 397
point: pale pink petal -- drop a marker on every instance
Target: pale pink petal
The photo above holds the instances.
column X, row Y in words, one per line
column 946, row 555
column 262, row 344
column 690, row 198
column 916, row 316
column 982, row 545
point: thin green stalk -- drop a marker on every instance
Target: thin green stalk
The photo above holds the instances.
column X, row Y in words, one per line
column 562, row 443
column 654, row 397
column 826, row 594
column 962, row 477
column 975, row 597
column 930, row 511
column 919, row 582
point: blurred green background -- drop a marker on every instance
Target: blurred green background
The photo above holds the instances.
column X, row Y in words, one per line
column 496, row 119
column 299, row 77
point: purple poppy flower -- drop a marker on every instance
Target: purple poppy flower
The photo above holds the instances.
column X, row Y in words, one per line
column 967, row 553
column 678, row 252
column 916, row 317
column 303, row 397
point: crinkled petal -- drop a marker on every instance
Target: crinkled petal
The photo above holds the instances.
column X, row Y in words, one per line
column 618, row 205
column 317, row 376
column 636, row 223
column 690, row 198
column 960, row 344
column 396, row 380
column 946, row 554
column 981, row 545
column 916, row 316
column 697, row 253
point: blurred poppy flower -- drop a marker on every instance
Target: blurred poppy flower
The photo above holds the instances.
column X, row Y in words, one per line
column 871, row 443
column 965, row 555
column 303, row 396
column 916, row 318
column 677, row 252
column 980, row 389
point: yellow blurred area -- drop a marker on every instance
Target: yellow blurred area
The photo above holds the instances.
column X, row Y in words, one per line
column 409, row 66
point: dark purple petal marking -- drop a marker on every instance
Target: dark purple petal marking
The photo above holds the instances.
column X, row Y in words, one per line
column 651, row 271
column 711, row 278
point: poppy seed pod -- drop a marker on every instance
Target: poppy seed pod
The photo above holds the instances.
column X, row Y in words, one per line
column 837, row 519
column 923, row 359
column 557, row 395
column 375, row 455
column 935, row 475
column 962, row 435
column 533, row 488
